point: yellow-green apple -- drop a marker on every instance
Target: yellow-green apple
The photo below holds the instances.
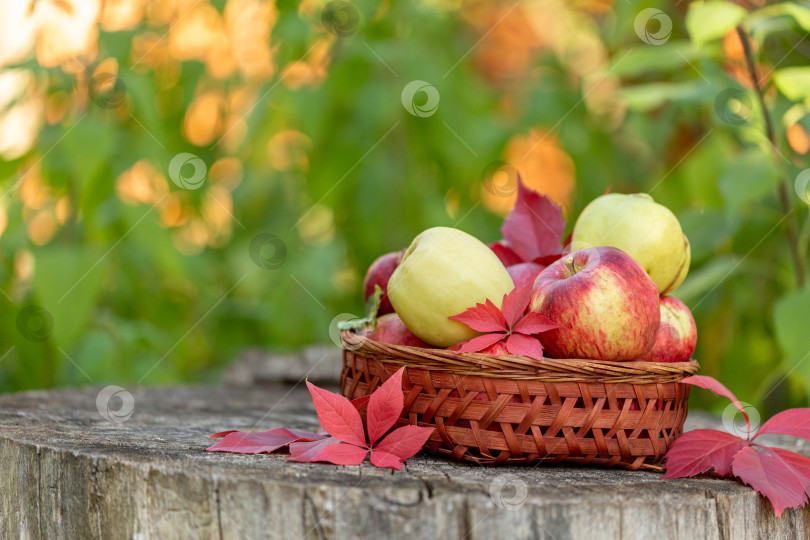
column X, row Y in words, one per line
column 378, row 274
column 391, row 329
column 443, row 273
column 604, row 302
column 524, row 273
column 647, row 231
column 677, row 335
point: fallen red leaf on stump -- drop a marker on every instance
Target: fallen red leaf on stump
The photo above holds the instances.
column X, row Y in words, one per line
column 341, row 419
column 780, row 475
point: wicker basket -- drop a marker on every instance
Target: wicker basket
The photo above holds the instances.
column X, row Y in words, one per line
column 511, row 409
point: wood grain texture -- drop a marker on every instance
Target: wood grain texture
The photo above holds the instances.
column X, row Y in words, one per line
column 66, row 472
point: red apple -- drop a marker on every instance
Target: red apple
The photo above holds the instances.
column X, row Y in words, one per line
column 677, row 335
column 524, row 273
column 603, row 300
column 496, row 349
column 378, row 274
column 391, row 329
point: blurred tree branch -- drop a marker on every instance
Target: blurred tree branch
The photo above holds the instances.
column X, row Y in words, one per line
column 784, row 201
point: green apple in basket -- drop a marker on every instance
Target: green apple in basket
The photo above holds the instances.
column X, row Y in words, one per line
column 442, row 273
column 645, row 230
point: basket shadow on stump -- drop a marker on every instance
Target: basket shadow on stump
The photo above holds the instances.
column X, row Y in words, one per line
column 515, row 410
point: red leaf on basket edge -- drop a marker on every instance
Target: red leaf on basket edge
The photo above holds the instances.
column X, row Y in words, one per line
column 511, row 324
column 534, row 228
column 710, row 383
column 339, row 417
column 780, row 475
column 265, row 442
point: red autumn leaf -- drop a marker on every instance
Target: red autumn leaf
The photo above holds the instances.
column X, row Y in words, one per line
column 505, row 253
column 701, row 450
column 793, row 422
column 342, row 454
column 710, row 383
column 534, row 323
column 221, row 434
column 772, row 475
column 482, row 318
column 800, row 463
column 404, row 442
column 478, row 343
column 524, row 346
column 534, row 228
column 338, row 416
column 515, row 304
column 516, row 321
column 360, row 402
column 384, row 408
column 383, row 459
column 239, row 442
column 305, row 451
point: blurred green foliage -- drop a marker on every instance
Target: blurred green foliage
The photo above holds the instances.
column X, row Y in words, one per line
column 634, row 107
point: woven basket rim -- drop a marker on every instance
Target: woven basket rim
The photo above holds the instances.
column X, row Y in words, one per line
column 518, row 367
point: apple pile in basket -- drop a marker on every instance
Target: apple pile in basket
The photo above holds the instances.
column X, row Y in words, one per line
column 600, row 295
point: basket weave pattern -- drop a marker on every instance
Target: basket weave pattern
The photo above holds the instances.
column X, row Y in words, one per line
column 508, row 409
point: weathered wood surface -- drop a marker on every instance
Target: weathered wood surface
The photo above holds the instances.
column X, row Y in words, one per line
column 66, row 472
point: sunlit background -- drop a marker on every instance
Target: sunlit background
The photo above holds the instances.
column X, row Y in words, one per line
column 114, row 273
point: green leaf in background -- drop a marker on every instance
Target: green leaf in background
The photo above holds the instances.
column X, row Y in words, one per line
column 800, row 13
column 699, row 282
column 793, row 82
column 68, row 282
column 748, row 179
column 645, row 97
column 707, row 21
column 643, row 59
column 790, row 316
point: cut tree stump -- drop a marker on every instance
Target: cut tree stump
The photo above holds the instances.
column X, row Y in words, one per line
column 67, row 472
